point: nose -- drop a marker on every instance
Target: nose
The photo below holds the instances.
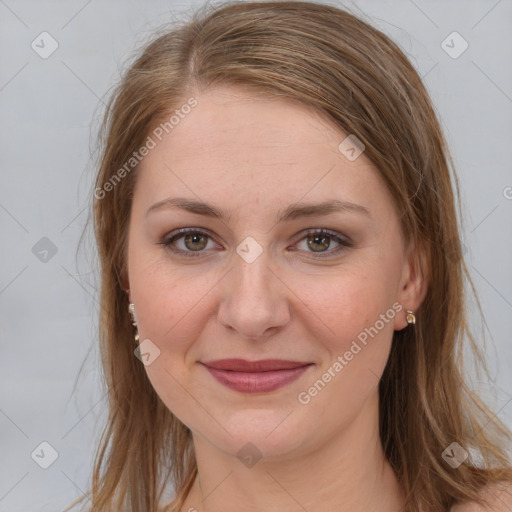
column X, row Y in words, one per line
column 254, row 300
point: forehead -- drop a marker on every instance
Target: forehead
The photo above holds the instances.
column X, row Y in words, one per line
column 245, row 149
column 236, row 124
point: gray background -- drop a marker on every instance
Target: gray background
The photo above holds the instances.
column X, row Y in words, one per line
column 49, row 111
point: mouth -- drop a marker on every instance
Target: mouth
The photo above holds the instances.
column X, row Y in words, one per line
column 255, row 376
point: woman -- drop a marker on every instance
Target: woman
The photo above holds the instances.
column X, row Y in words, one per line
column 282, row 281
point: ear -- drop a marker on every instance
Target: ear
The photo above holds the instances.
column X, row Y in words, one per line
column 414, row 282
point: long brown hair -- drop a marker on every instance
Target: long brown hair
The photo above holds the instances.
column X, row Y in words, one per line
column 341, row 66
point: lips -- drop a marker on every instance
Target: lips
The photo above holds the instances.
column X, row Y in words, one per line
column 255, row 376
column 264, row 365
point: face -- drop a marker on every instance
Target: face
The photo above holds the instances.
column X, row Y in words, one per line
column 267, row 280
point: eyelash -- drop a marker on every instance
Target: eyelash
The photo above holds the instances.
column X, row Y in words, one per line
column 344, row 242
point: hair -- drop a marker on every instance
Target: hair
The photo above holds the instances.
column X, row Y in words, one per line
column 354, row 75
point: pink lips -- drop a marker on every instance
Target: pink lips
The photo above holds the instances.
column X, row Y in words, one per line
column 255, row 376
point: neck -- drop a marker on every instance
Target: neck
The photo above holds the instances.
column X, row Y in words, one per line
column 347, row 472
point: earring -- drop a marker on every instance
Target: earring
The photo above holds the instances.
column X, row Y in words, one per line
column 411, row 317
column 131, row 309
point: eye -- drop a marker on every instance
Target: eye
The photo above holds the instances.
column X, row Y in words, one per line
column 319, row 239
column 194, row 242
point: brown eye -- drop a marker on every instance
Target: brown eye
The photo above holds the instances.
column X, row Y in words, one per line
column 195, row 241
column 320, row 240
column 192, row 240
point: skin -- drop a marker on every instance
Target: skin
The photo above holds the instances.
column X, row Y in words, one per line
column 254, row 156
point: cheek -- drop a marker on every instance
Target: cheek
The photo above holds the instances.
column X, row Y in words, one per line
column 167, row 297
column 357, row 306
column 349, row 302
column 358, row 309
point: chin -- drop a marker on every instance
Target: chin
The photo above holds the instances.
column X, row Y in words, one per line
column 261, row 433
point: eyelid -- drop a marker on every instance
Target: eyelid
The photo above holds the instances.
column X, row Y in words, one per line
column 344, row 241
column 177, row 234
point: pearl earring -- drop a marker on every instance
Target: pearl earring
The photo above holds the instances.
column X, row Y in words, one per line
column 131, row 309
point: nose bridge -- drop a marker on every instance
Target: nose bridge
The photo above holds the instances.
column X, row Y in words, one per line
column 252, row 280
column 253, row 300
column 252, row 277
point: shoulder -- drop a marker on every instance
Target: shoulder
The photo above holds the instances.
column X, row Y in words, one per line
column 498, row 498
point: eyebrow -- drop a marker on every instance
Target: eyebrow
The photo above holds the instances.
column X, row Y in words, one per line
column 291, row 212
